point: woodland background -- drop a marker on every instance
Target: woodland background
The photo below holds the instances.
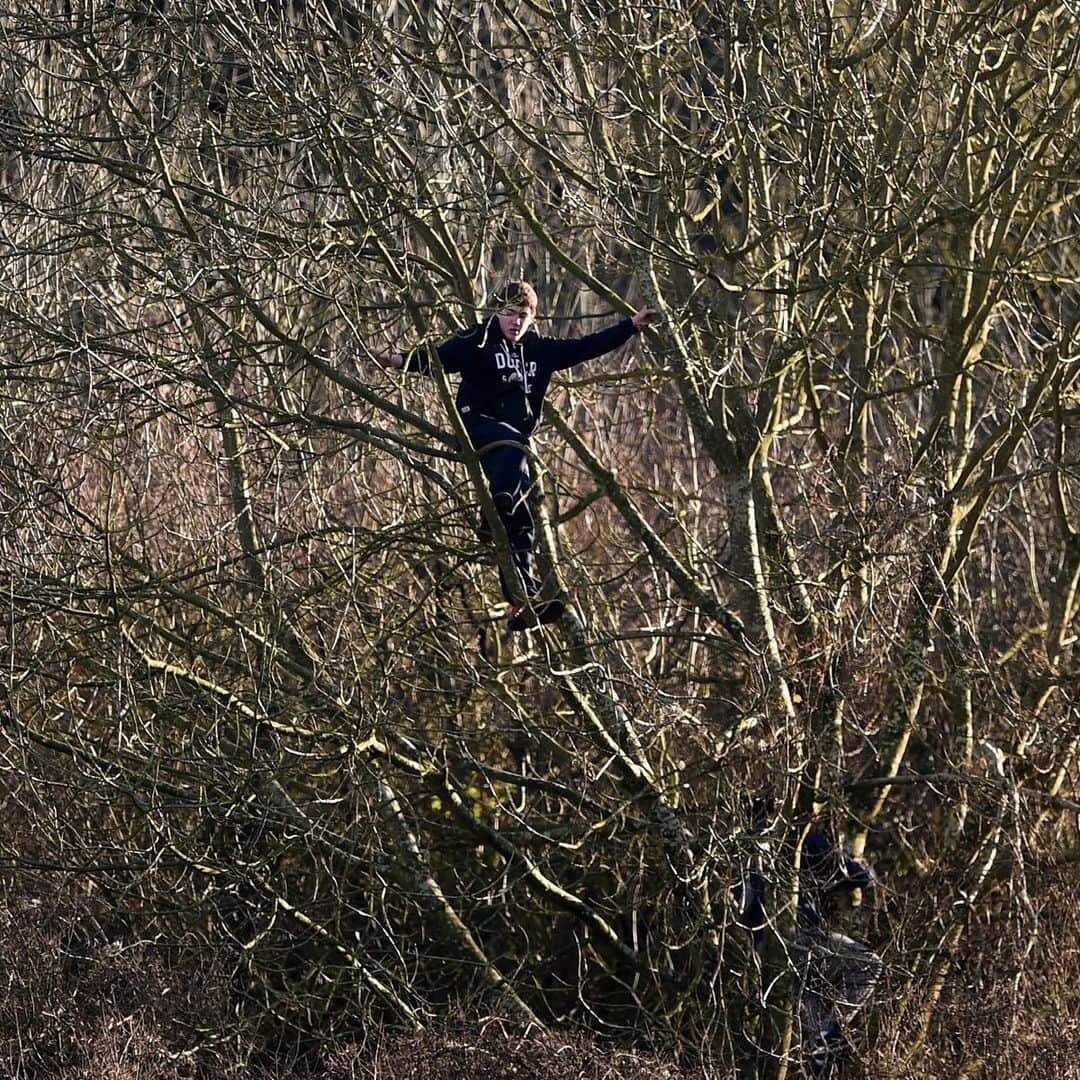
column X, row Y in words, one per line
column 280, row 796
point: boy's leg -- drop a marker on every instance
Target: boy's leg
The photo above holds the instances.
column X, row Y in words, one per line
column 509, row 479
column 520, row 527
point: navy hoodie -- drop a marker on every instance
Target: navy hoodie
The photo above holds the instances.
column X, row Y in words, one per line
column 825, row 868
column 507, row 380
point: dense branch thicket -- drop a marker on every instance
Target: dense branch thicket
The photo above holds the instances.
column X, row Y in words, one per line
column 820, row 526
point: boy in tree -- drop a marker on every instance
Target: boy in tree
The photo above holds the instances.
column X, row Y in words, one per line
column 505, row 367
column 837, row 975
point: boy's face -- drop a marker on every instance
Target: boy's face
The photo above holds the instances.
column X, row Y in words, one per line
column 515, row 320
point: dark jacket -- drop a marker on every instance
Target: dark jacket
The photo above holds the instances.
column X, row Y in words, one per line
column 505, row 380
column 826, row 869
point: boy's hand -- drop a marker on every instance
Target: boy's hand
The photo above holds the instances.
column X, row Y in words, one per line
column 393, row 360
column 642, row 317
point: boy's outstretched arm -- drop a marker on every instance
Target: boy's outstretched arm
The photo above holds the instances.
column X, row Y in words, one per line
column 567, row 352
column 452, row 354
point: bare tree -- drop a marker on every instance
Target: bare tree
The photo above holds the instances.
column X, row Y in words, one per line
column 820, row 526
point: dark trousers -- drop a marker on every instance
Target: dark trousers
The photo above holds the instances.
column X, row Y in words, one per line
column 509, row 478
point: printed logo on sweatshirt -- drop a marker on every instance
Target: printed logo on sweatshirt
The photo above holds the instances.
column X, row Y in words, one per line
column 509, row 361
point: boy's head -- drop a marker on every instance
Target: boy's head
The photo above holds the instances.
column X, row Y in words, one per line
column 514, row 293
column 515, row 304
